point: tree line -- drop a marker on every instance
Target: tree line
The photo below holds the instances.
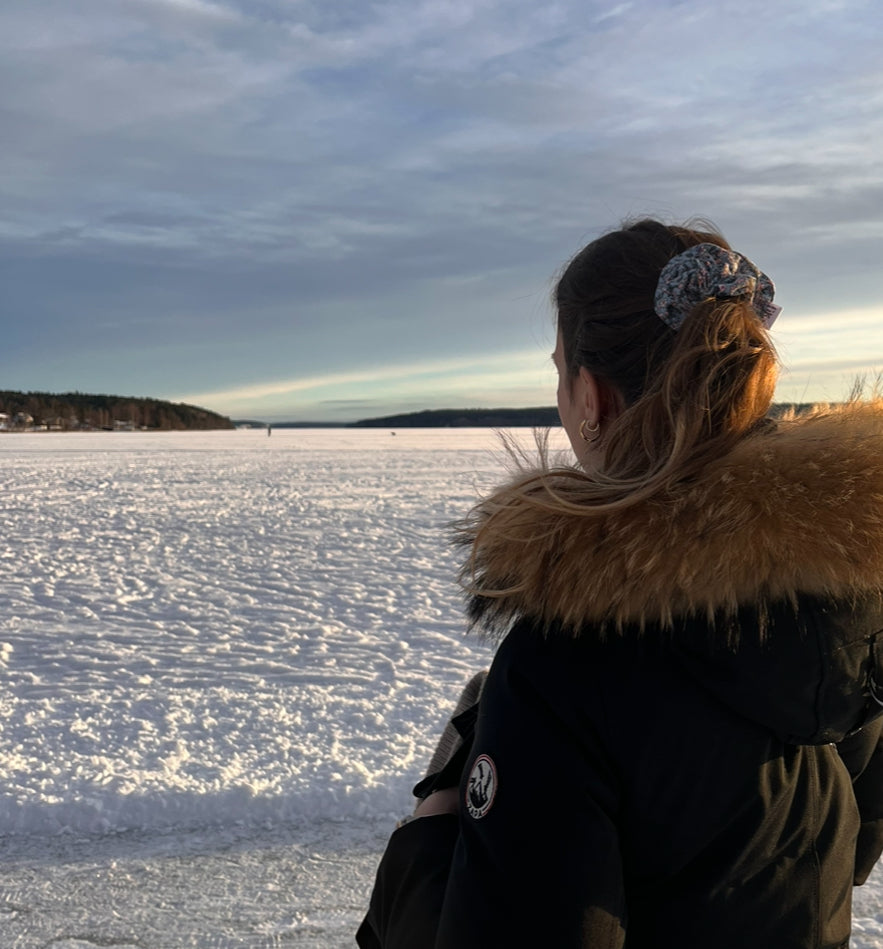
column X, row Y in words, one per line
column 71, row 411
column 502, row 418
column 465, row 418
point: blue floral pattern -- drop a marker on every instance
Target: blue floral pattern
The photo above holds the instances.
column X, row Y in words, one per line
column 707, row 271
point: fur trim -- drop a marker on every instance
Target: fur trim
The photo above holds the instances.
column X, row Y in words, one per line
column 797, row 509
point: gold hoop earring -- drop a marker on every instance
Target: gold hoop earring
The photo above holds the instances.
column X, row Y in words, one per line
column 589, row 433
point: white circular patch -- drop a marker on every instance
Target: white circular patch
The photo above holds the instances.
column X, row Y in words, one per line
column 481, row 787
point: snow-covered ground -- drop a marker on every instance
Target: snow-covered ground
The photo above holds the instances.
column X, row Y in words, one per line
column 225, row 658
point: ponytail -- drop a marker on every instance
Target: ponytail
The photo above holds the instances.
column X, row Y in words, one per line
column 689, row 394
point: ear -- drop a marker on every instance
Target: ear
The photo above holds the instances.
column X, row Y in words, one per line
column 591, row 397
column 599, row 401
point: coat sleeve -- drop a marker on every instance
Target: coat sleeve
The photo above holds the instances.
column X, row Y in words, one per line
column 862, row 754
column 533, row 858
column 537, row 860
column 410, row 885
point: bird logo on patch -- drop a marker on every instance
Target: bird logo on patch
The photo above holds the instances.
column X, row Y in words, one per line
column 481, row 787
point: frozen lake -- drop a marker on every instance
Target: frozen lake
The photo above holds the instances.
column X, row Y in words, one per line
column 225, row 660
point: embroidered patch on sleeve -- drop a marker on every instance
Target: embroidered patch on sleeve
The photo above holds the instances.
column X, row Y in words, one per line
column 481, row 787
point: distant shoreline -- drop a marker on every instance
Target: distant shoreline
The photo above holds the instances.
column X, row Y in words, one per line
column 90, row 412
column 76, row 411
column 537, row 417
column 433, row 418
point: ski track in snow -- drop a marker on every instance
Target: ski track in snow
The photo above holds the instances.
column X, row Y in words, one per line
column 225, row 660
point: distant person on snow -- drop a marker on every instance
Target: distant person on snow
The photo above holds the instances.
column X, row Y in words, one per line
column 678, row 743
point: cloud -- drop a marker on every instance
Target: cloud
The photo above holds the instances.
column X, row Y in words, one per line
column 825, row 353
column 440, row 375
column 235, row 187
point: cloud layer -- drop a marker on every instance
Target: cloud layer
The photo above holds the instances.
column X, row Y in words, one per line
column 210, row 198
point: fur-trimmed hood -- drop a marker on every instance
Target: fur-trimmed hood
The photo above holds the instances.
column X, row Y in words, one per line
column 793, row 510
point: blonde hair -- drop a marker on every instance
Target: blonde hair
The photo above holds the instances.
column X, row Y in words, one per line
column 688, row 396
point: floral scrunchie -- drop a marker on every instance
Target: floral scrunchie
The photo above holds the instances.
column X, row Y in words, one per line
column 706, row 270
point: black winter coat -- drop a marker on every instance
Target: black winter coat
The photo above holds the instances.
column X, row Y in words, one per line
column 690, row 756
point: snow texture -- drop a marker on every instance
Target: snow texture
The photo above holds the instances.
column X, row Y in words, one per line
column 225, row 658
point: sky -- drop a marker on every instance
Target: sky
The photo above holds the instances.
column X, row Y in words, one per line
column 341, row 209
